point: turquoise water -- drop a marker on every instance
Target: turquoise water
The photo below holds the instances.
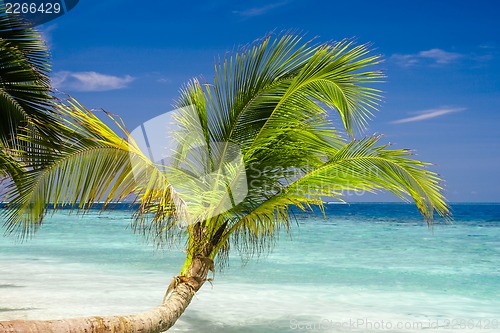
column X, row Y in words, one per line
column 366, row 267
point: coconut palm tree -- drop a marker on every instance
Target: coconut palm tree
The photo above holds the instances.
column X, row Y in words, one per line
column 266, row 110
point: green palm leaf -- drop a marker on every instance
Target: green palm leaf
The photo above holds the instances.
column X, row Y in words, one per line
column 363, row 166
column 94, row 165
column 9, row 166
column 24, row 82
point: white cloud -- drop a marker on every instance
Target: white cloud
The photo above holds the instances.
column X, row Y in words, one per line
column 488, row 45
column 428, row 114
column 256, row 11
column 435, row 56
column 89, row 81
column 164, row 80
column 440, row 56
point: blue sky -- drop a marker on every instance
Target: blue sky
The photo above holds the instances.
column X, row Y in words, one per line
column 442, row 95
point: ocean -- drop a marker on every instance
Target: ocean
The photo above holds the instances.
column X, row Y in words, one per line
column 365, row 267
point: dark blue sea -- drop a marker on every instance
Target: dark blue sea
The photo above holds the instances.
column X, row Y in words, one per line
column 361, row 268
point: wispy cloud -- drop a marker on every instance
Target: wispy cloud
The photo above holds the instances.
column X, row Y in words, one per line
column 256, row 11
column 428, row 114
column 46, row 32
column 488, row 45
column 486, row 53
column 89, row 81
column 432, row 56
column 164, row 80
column 440, row 56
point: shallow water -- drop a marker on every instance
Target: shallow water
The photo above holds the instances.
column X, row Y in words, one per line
column 366, row 267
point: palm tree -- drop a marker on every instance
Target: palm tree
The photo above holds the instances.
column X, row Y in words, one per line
column 270, row 100
column 25, row 98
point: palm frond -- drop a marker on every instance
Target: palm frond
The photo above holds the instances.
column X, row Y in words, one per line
column 9, row 166
column 363, row 166
column 253, row 231
column 94, row 165
column 25, row 98
column 275, row 92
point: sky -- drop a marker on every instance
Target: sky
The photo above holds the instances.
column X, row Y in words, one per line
column 441, row 95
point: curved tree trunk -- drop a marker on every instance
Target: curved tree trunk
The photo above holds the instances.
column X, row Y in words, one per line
column 155, row 320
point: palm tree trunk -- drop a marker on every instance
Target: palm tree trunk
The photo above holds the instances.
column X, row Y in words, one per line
column 155, row 320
